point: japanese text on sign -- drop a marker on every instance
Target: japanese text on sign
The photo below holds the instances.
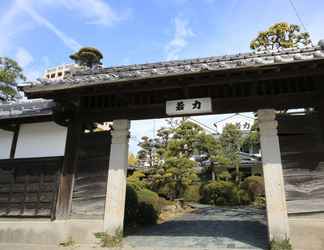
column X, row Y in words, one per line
column 189, row 106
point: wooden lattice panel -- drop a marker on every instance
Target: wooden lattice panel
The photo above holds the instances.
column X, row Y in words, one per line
column 28, row 187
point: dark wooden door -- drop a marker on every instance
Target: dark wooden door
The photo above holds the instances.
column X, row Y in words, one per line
column 28, row 187
column 90, row 182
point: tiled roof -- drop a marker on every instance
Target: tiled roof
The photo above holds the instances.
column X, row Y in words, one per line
column 179, row 67
column 28, row 108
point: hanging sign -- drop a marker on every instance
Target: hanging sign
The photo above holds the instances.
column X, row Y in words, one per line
column 189, row 106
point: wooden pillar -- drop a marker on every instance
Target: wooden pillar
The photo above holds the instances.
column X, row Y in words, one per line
column 66, row 182
column 117, row 176
column 277, row 214
column 321, row 110
column 14, row 141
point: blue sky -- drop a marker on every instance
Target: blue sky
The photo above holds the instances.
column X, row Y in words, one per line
column 42, row 33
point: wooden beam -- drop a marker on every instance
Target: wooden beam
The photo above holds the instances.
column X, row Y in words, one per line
column 66, row 182
column 14, row 142
column 220, row 106
column 6, row 123
column 9, row 127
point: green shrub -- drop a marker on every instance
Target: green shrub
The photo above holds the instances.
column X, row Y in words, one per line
column 131, row 205
column 142, row 206
column 280, row 245
column 135, row 180
column 254, row 185
column 168, row 191
column 224, row 193
column 242, row 197
column 147, row 215
column 218, row 193
column 149, row 197
column 260, row 202
column 192, row 193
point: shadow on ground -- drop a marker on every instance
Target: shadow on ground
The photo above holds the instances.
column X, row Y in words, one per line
column 207, row 228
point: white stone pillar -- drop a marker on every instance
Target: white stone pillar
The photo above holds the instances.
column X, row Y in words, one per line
column 277, row 215
column 117, row 175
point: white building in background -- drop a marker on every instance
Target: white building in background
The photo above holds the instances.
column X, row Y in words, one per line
column 243, row 121
column 59, row 71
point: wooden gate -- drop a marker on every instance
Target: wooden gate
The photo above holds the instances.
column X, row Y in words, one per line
column 28, row 187
column 90, row 181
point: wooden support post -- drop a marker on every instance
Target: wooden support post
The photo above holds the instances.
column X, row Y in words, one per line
column 321, row 109
column 65, row 190
column 321, row 119
column 277, row 215
column 14, row 141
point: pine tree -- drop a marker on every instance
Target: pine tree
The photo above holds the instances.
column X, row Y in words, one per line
column 10, row 73
column 281, row 35
column 87, row 56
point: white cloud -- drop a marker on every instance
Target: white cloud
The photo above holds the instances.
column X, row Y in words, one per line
column 32, row 69
column 23, row 57
column 5, row 24
column 97, row 12
column 36, row 69
column 94, row 11
column 68, row 41
column 32, row 74
column 10, row 26
column 180, row 39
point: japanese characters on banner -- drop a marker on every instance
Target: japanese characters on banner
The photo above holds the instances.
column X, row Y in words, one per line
column 189, row 106
column 242, row 122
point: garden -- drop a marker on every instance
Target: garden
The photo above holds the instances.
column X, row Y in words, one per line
column 167, row 173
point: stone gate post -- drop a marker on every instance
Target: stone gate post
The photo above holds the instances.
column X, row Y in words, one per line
column 117, row 174
column 277, row 215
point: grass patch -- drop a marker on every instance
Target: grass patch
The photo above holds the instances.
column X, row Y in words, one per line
column 107, row 240
column 280, row 245
column 68, row 243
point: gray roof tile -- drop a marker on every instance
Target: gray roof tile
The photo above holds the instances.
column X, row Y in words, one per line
column 28, row 108
column 151, row 70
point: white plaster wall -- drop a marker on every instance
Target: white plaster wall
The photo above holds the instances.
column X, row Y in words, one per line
column 41, row 140
column 5, row 143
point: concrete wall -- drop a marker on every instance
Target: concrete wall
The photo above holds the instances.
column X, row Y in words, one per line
column 5, row 143
column 306, row 232
column 42, row 231
column 41, row 140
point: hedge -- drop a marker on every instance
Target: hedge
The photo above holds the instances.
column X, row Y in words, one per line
column 254, row 186
column 224, row 193
column 142, row 206
column 192, row 193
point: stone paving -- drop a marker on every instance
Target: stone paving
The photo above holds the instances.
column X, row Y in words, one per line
column 204, row 229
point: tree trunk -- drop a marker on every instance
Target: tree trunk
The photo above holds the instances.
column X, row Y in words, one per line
column 213, row 176
column 237, row 170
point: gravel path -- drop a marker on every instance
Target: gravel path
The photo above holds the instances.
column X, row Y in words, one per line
column 206, row 228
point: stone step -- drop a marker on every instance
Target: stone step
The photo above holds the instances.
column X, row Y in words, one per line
column 92, row 247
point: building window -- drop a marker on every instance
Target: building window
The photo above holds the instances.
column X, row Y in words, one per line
column 53, row 75
column 59, row 74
